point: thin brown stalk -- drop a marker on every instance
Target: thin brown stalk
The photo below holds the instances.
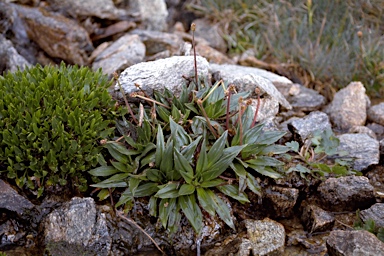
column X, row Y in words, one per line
column 240, row 120
column 125, row 98
column 141, row 229
column 193, row 28
column 149, row 99
column 227, row 114
column 257, row 91
column 200, row 104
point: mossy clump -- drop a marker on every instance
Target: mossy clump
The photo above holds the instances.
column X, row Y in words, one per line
column 51, row 120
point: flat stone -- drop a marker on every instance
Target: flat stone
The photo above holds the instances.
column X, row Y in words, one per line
column 11, row 60
column 377, row 129
column 248, row 79
column 211, row 32
column 165, row 73
column 212, row 55
column 153, row 13
column 364, row 130
column 57, row 35
column 122, row 53
column 376, row 113
column 362, row 147
column 12, row 201
column 268, row 108
column 375, row 213
column 349, row 106
column 346, row 193
column 301, row 98
column 265, row 237
column 77, row 227
column 103, row 9
column 356, row 242
column 280, row 201
column 316, row 219
column 303, row 128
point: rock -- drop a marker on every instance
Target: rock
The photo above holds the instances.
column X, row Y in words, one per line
column 376, row 213
column 153, row 13
column 156, row 41
column 248, row 79
column 11, row 60
column 211, row 33
column 12, row 201
column 346, row 193
column 280, row 201
column 349, row 106
column 76, row 228
column 264, row 237
column 303, row 128
column 122, row 53
column 376, row 178
column 363, row 130
column 160, row 74
column 377, row 129
column 212, row 55
column 316, row 219
column 103, row 9
column 268, row 109
column 57, row 35
column 376, row 113
column 355, row 242
column 301, row 98
column 363, row 148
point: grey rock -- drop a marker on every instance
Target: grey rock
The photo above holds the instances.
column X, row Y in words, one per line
column 280, row 201
column 156, row 41
column 316, row 219
column 211, row 33
column 354, row 243
column 346, row 193
column 122, row 53
column 349, row 106
column 377, row 129
column 268, row 108
column 376, row 113
column 211, row 54
column 103, row 9
column 381, row 143
column 57, row 35
column 301, row 98
column 265, row 237
column 153, row 13
column 12, row 201
column 376, row 213
column 11, row 60
column 363, row 148
column 248, row 79
column 156, row 75
column 77, row 227
column 364, row 130
column 303, row 128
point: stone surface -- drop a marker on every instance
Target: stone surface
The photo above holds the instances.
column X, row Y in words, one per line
column 316, row 219
column 153, row 13
column 280, row 201
column 155, row 75
column 248, row 79
column 303, row 128
column 377, row 129
column 376, row 113
column 211, row 54
column 210, row 32
column 103, row 9
column 122, row 53
column 264, row 237
column 11, row 60
column 12, row 201
column 356, row 242
column 349, row 106
column 77, row 227
column 268, row 108
column 346, row 193
column 57, row 35
column 376, row 213
column 363, row 148
column 156, row 41
column 301, row 98
column 364, row 130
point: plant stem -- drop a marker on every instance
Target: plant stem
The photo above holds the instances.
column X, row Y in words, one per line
column 193, row 28
column 125, row 98
column 257, row 90
column 240, row 120
column 150, row 100
column 200, row 104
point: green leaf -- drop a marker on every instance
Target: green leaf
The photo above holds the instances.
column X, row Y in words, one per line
column 133, row 183
column 253, row 185
column 192, row 211
column 216, row 150
column 121, row 149
column 179, row 136
column 212, row 183
column 233, row 191
column 186, row 189
column 188, row 151
column 238, row 169
column 223, row 211
column 103, row 171
column 146, row 189
column 183, row 166
column 202, row 161
column 205, row 200
column 166, row 206
column 266, row 171
column 269, row 137
column 264, row 161
column 170, row 190
column 159, row 146
column 293, row 145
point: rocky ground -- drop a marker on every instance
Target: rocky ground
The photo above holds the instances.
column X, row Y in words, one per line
column 295, row 215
